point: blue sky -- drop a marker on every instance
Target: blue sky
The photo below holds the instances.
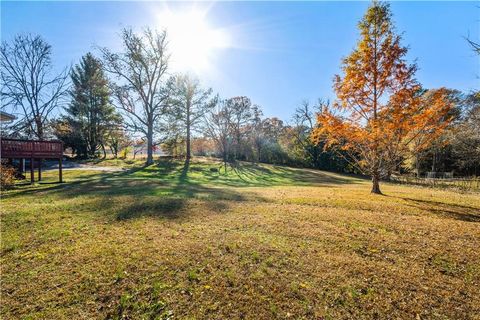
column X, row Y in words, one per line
column 281, row 52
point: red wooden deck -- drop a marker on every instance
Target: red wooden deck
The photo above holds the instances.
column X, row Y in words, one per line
column 32, row 149
column 16, row 148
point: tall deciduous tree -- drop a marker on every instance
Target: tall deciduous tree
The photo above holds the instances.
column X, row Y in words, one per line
column 90, row 111
column 28, row 83
column 379, row 108
column 303, row 125
column 141, row 91
column 189, row 104
column 241, row 108
column 218, row 127
column 256, row 133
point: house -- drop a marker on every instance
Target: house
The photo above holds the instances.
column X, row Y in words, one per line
column 6, row 117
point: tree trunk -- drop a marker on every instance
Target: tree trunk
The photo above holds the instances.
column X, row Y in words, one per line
column 188, row 133
column 104, row 151
column 376, row 184
column 389, row 175
column 237, row 148
column 259, row 150
column 224, row 156
column 150, row 145
column 39, row 125
column 417, row 165
column 114, row 150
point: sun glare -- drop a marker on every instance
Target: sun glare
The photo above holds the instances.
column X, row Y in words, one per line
column 192, row 42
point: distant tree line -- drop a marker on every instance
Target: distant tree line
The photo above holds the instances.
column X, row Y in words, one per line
column 381, row 122
column 457, row 149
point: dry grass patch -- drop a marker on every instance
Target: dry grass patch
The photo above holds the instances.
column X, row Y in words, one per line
column 153, row 244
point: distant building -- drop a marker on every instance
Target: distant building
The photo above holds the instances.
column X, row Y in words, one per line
column 140, row 149
column 6, row 117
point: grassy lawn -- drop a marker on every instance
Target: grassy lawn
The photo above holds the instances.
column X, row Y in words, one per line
column 172, row 241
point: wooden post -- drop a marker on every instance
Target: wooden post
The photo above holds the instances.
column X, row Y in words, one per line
column 21, row 165
column 60, row 170
column 32, row 173
column 39, row 169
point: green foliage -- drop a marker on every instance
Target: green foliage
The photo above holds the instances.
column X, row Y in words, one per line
column 90, row 117
column 303, row 150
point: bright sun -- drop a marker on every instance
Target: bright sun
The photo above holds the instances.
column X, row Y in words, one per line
column 191, row 41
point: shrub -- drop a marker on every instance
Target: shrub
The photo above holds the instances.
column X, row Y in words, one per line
column 7, row 176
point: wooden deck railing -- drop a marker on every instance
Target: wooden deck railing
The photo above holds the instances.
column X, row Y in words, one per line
column 18, row 148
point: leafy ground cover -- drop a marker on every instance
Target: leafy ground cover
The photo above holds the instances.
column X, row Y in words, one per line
column 176, row 240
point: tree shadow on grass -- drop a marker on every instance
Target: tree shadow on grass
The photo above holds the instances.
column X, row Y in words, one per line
column 23, row 189
column 165, row 166
column 168, row 190
column 125, row 196
column 283, row 174
column 452, row 211
column 241, row 174
column 184, row 174
column 167, row 207
column 179, row 200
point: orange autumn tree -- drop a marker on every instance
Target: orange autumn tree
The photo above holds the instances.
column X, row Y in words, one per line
column 379, row 111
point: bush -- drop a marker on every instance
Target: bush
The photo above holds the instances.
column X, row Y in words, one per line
column 7, row 176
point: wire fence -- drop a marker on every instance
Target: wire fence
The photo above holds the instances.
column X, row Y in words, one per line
column 462, row 183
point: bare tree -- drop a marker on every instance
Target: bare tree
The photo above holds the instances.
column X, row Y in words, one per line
column 304, row 122
column 241, row 108
column 141, row 91
column 189, row 105
column 28, row 84
column 475, row 46
column 218, row 127
column 256, row 133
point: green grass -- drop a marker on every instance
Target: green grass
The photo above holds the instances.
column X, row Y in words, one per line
column 118, row 162
column 176, row 240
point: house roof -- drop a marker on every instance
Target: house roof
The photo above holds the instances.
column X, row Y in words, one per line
column 5, row 117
